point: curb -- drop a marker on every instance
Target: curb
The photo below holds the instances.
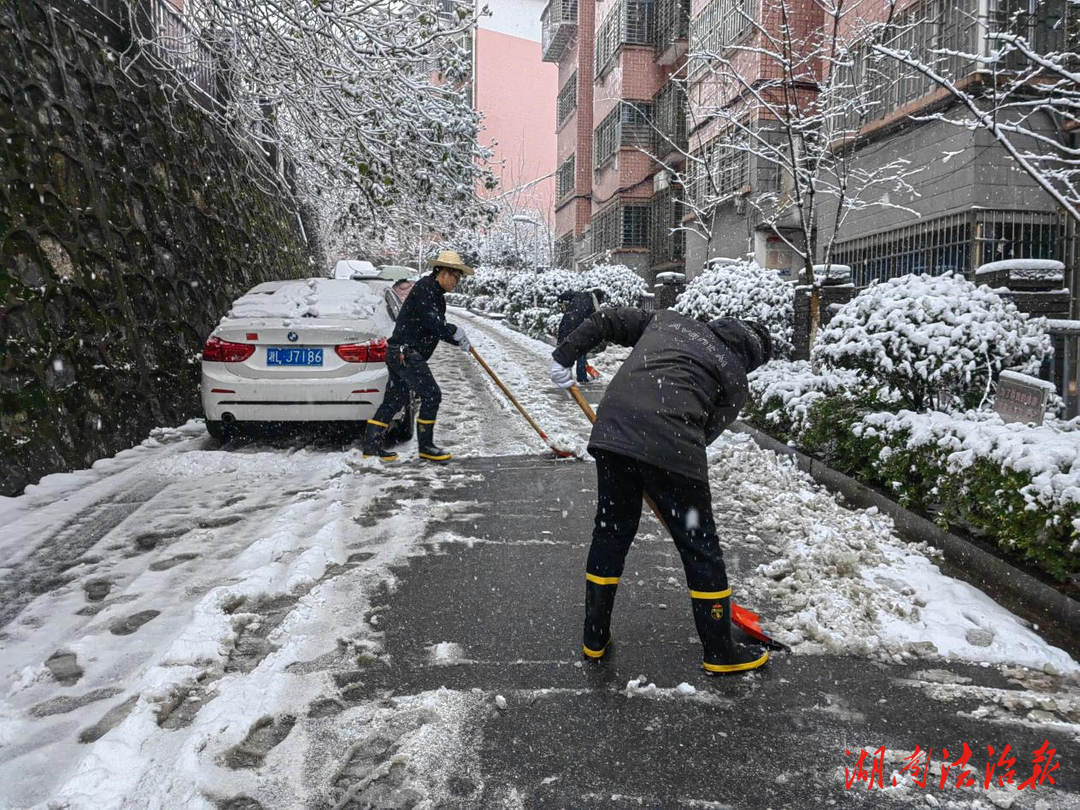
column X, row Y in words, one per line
column 974, row 561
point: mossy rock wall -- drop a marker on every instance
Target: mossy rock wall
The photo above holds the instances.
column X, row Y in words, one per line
column 127, row 225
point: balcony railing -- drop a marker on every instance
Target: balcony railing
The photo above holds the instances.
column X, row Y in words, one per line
column 672, row 22
column 558, row 25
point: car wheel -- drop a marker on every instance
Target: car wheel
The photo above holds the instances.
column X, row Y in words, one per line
column 401, row 428
column 219, row 430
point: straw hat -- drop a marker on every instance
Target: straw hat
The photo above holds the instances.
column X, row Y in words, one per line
column 450, row 260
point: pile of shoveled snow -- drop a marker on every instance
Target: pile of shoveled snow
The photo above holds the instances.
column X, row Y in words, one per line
column 844, row 582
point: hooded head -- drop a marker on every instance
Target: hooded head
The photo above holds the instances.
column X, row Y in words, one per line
column 749, row 339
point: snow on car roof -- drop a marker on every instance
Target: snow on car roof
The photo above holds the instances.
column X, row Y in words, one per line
column 345, row 268
column 338, row 299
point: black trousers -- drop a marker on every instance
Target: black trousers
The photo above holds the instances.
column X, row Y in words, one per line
column 686, row 506
column 408, row 372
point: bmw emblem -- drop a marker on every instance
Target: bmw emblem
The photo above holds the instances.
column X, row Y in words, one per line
column 293, row 337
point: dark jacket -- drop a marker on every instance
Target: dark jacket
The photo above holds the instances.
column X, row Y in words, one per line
column 421, row 324
column 682, row 385
column 580, row 307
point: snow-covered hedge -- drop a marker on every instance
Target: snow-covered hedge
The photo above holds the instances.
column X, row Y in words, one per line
column 1016, row 485
column 1019, row 484
column 530, row 299
column 783, row 392
column 743, row 289
column 938, row 340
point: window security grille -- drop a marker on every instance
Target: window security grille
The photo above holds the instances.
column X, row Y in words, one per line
column 629, row 124
column 672, row 21
column 564, row 251
column 564, row 179
column 567, row 101
column 670, row 107
column 955, row 242
column 606, row 138
column 666, row 244
column 631, row 22
column 720, row 169
column 721, row 25
column 620, row 226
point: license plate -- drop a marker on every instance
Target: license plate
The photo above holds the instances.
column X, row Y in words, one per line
column 290, row 356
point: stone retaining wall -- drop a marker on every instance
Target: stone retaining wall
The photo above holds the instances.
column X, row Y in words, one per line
column 127, row 225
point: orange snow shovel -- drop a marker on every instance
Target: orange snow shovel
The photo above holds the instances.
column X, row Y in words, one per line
column 746, row 620
column 558, row 453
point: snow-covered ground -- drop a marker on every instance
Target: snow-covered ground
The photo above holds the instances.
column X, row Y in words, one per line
column 165, row 610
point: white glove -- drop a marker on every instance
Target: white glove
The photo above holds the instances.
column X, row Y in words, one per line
column 461, row 339
column 561, row 375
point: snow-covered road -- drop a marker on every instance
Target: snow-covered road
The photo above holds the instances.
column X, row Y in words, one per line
column 174, row 614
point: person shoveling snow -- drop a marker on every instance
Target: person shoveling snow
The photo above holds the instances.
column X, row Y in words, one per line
column 683, row 383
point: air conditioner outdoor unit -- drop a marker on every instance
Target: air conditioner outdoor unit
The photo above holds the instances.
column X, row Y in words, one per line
column 661, row 181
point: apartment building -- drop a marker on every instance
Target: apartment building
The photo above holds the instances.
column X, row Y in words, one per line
column 620, row 122
column 977, row 206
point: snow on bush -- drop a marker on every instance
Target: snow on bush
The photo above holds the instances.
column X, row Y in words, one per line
column 783, row 392
column 743, row 289
column 1019, row 484
column 622, row 286
column 933, row 338
column 529, row 299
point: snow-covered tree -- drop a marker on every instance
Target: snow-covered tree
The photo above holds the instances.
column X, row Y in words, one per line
column 362, row 108
column 940, row 341
column 743, row 289
column 1017, row 79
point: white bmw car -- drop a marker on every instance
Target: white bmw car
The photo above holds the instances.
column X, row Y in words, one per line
column 312, row 350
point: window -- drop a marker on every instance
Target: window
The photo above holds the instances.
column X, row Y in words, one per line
column 666, row 244
column 721, row 24
column 620, row 226
column 631, row 22
column 564, row 178
column 567, row 101
column 720, row 169
column 606, row 138
column 629, row 124
column 564, row 251
column 954, row 242
column 670, row 107
column 672, row 21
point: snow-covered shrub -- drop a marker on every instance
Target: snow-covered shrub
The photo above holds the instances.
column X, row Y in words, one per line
column 935, row 339
column 533, row 297
column 485, row 290
column 743, row 289
column 622, row 286
column 1017, row 484
column 783, row 392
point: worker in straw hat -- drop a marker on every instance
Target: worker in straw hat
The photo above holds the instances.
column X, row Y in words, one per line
column 420, row 326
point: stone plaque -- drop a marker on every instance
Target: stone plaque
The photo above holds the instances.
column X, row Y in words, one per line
column 1021, row 397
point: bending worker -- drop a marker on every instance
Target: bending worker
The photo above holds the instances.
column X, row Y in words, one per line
column 576, row 307
column 420, row 326
column 684, row 382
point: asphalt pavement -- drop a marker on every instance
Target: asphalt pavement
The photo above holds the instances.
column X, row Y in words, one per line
column 504, row 582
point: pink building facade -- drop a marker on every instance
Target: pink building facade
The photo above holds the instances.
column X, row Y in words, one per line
column 516, row 91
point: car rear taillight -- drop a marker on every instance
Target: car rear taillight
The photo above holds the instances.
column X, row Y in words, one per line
column 217, row 350
column 374, row 351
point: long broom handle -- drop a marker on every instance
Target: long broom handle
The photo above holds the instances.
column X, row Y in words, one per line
column 509, row 396
column 575, row 392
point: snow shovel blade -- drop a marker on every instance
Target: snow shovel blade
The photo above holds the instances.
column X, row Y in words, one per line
column 592, row 372
column 750, row 623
